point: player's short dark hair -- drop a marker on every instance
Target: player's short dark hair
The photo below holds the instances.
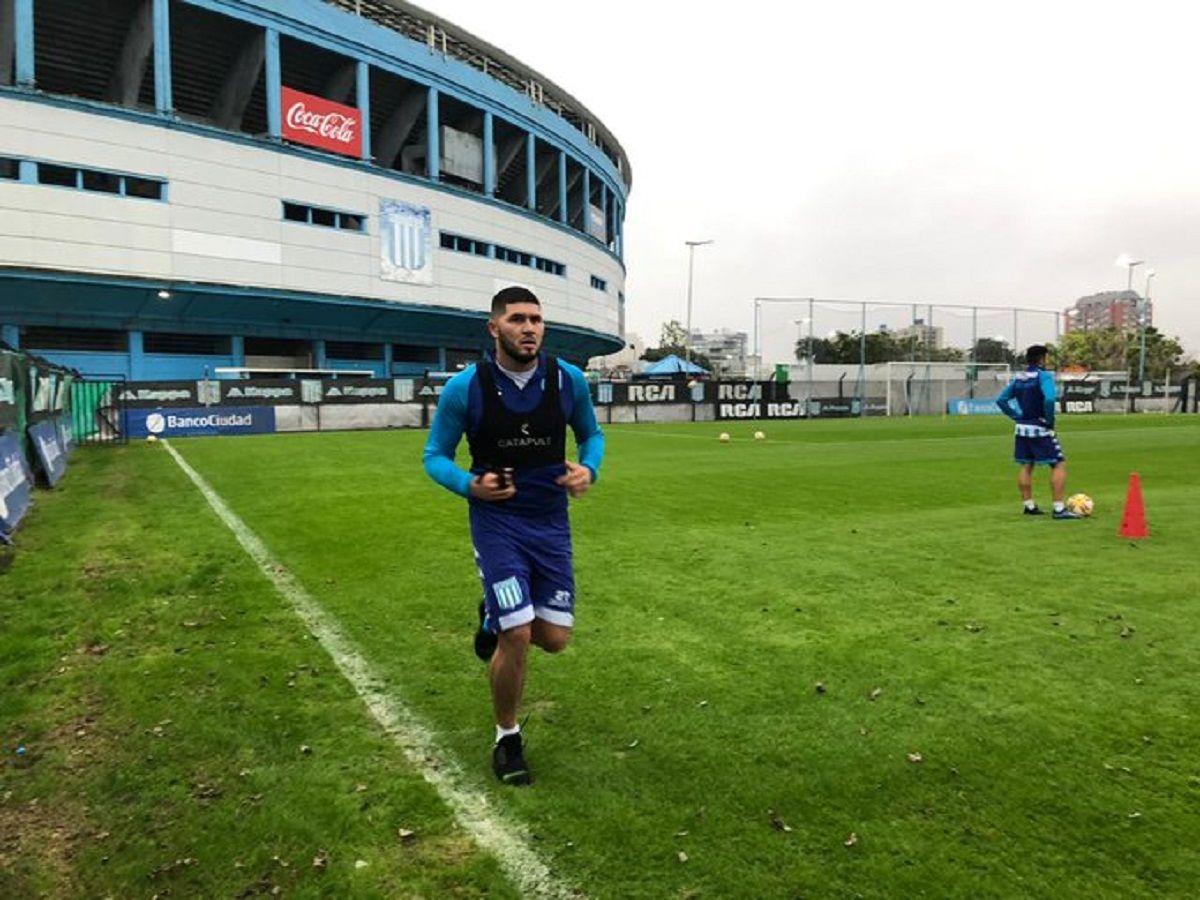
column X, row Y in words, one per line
column 1036, row 355
column 512, row 295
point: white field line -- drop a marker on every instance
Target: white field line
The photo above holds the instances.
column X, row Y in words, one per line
column 504, row 839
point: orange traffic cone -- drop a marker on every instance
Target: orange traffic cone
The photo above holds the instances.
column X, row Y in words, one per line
column 1133, row 520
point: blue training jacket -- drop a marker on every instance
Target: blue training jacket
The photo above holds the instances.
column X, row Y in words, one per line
column 1034, row 394
column 460, row 411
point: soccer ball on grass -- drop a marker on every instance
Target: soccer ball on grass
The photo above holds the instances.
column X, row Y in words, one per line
column 1080, row 504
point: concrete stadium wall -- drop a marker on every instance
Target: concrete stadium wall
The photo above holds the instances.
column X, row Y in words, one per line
column 222, row 221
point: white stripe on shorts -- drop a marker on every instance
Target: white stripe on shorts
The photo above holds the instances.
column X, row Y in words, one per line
column 555, row 616
column 516, row 619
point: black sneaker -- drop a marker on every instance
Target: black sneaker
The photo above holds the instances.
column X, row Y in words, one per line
column 508, row 761
column 485, row 641
column 1036, row 511
column 1066, row 514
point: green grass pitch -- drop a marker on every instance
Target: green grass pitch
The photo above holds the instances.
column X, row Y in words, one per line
column 1008, row 704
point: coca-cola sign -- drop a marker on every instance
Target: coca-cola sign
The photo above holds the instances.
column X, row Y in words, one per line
column 322, row 123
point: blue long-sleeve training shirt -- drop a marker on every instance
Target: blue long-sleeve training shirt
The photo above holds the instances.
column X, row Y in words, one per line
column 1029, row 400
column 460, row 412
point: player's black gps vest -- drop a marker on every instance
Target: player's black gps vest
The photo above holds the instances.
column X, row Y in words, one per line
column 506, row 439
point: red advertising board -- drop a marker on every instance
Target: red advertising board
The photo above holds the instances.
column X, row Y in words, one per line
column 322, row 123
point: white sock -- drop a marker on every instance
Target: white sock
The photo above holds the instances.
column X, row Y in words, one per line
column 1058, row 506
column 1031, row 504
column 502, row 732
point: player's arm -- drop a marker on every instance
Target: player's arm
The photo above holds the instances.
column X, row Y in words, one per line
column 1004, row 401
column 449, row 425
column 1050, row 394
column 589, row 439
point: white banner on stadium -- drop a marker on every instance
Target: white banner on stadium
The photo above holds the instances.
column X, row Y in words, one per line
column 405, row 242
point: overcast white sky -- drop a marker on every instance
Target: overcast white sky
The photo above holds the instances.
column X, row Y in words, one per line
column 935, row 152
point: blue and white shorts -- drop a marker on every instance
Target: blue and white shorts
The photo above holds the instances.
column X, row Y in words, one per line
column 526, row 568
column 1043, row 450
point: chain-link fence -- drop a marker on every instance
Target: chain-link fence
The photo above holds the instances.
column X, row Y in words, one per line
column 788, row 330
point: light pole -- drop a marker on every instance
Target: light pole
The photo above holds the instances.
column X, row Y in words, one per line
column 1144, row 312
column 691, row 245
column 807, row 320
column 1129, row 263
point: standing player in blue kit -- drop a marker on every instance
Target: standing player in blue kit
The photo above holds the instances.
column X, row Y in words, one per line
column 1029, row 400
column 514, row 408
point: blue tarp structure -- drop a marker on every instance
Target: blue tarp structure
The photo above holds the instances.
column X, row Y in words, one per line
column 673, row 365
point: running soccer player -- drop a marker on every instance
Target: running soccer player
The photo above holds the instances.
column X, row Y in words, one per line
column 1029, row 400
column 514, row 407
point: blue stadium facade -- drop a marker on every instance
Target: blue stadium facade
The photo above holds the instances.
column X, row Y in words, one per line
column 169, row 208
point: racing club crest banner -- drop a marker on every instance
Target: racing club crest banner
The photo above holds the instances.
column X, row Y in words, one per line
column 405, row 242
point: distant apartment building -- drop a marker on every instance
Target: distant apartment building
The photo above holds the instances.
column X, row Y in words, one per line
column 625, row 362
column 725, row 349
column 1108, row 309
column 932, row 336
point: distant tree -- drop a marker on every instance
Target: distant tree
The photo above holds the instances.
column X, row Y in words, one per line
column 846, row 347
column 673, row 342
column 1117, row 350
column 1099, row 350
column 993, row 350
column 940, row 354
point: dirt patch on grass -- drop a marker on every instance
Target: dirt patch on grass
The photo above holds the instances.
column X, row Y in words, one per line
column 37, row 846
column 41, row 837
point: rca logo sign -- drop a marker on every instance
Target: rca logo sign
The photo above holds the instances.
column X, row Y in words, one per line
column 652, row 393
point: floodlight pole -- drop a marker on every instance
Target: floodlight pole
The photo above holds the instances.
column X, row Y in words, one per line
column 691, row 245
column 862, row 359
column 1145, row 311
column 811, row 323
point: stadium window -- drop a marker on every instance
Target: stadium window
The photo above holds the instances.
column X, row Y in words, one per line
column 599, row 283
column 411, row 353
column 457, row 358
column 294, row 212
column 325, row 218
column 353, row 350
column 186, row 344
column 549, row 265
column 508, row 254
column 143, row 188
column 101, row 340
column 280, row 348
column 99, row 182
column 104, row 182
column 9, row 168
column 59, row 176
column 460, row 244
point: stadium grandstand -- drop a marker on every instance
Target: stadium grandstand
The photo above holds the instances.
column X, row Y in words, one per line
column 261, row 186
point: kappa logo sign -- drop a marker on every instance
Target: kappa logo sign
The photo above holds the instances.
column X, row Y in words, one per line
column 261, row 393
column 154, row 395
column 352, row 392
